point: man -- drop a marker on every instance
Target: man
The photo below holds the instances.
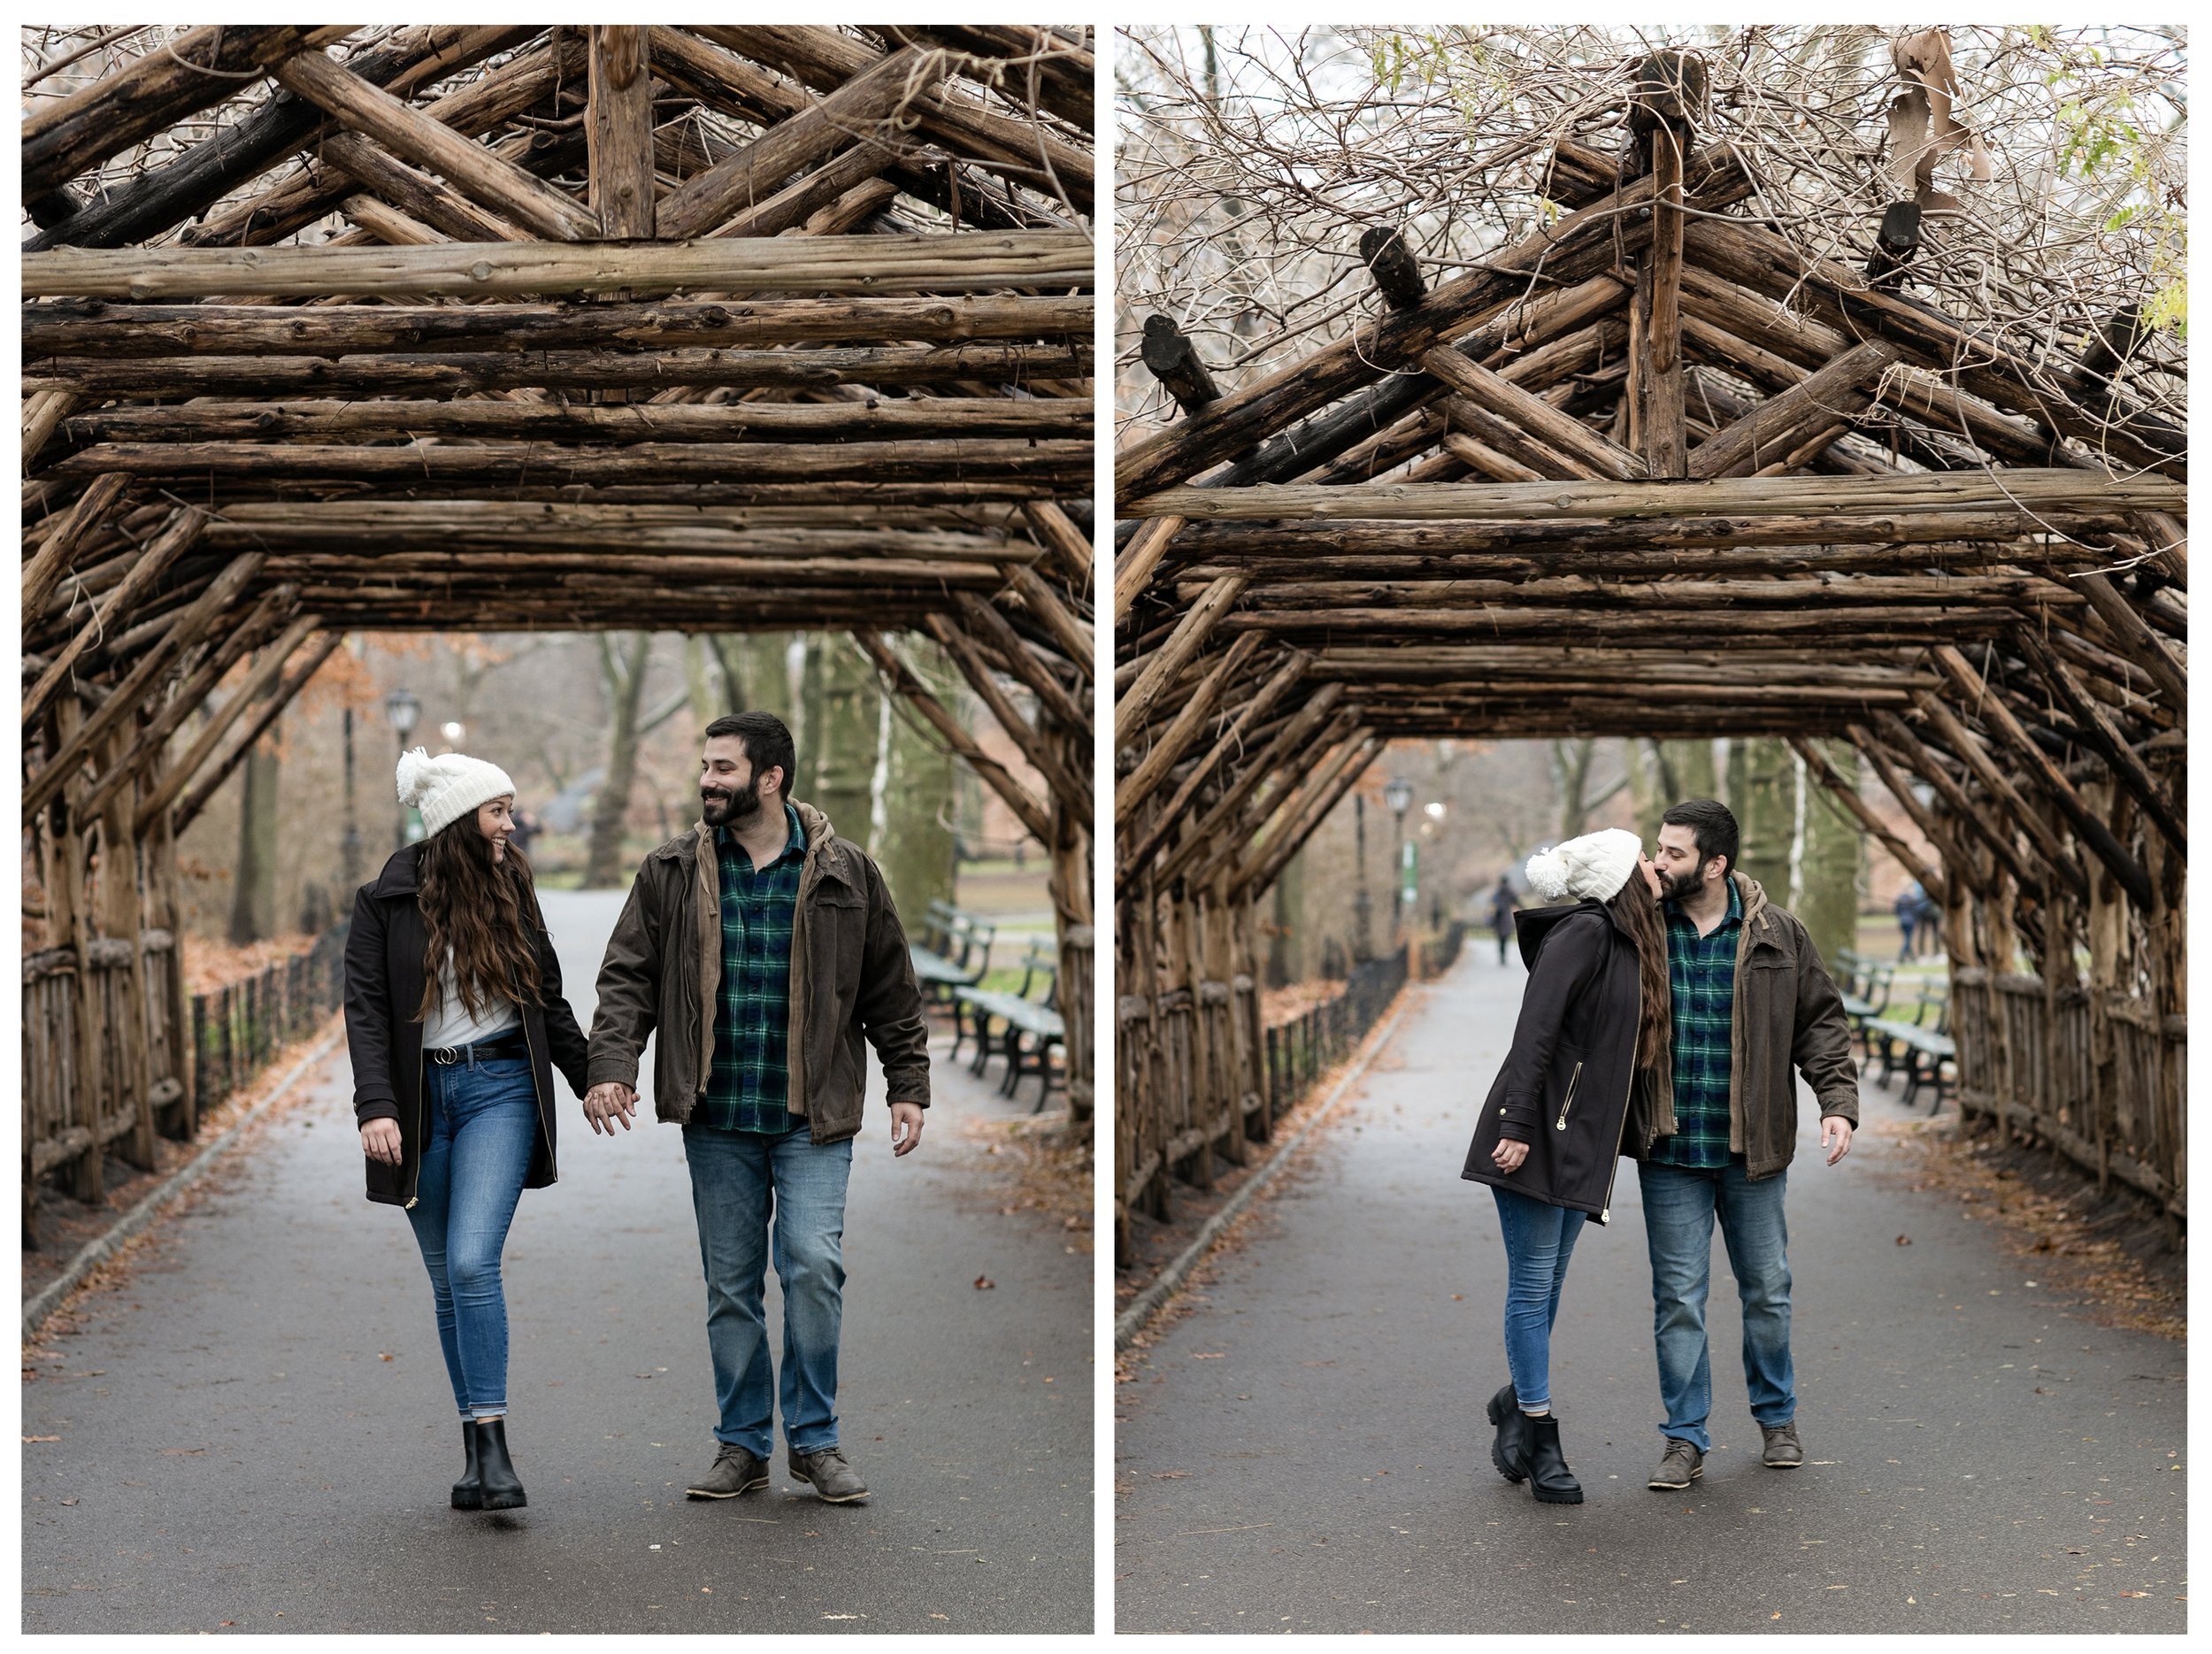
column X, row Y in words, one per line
column 1751, row 999
column 1503, row 906
column 764, row 948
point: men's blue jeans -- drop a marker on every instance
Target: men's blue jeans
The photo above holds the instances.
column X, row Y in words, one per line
column 1539, row 1241
column 1680, row 1206
column 757, row 1196
column 483, row 1123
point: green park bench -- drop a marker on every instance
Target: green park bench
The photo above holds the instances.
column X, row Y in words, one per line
column 954, row 952
column 1865, row 985
column 1922, row 1046
column 1031, row 1018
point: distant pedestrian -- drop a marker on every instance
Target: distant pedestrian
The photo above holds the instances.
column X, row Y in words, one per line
column 1502, row 902
column 1926, row 924
column 1907, row 911
column 527, row 826
column 764, row 948
column 1585, row 1069
column 455, row 1021
column 1751, row 1002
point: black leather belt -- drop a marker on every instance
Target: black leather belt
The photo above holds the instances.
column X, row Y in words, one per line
column 512, row 1043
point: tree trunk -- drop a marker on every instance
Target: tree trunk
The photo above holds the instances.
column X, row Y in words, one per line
column 624, row 675
column 1827, row 895
column 1571, row 770
column 841, row 772
column 913, row 840
column 1766, row 809
column 254, row 897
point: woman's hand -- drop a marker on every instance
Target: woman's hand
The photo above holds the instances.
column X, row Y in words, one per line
column 380, row 1140
column 1509, row 1154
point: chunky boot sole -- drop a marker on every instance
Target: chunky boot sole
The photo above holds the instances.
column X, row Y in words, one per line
column 467, row 1498
column 513, row 1501
column 1511, row 1472
column 1555, row 1497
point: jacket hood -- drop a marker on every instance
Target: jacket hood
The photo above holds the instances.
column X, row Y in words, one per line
column 1754, row 901
column 402, row 874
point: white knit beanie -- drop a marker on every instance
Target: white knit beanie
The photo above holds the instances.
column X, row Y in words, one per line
column 1596, row 865
column 448, row 787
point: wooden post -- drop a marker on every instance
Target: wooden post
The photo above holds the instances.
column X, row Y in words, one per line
column 621, row 128
column 119, row 916
column 71, row 925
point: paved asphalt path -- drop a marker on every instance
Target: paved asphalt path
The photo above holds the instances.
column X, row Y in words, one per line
column 1306, row 1450
column 258, row 1431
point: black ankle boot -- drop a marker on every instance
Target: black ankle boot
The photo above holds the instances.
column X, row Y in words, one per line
column 502, row 1489
column 468, row 1493
column 1508, row 1448
column 1549, row 1477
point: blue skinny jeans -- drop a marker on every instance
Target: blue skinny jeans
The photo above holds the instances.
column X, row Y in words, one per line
column 483, row 1123
column 1540, row 1238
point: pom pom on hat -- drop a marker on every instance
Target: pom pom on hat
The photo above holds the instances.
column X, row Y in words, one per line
column 1595, row 865
column 449, row 786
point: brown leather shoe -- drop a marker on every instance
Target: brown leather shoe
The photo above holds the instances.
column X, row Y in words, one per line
column 736, row 1470
column 1678, row 1466
column 1783, row 1452
column 832, row 1477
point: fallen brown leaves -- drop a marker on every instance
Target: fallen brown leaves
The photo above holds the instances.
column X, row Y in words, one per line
column 2088, row 1248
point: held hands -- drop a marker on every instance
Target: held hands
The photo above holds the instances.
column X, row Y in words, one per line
column 906, row 1128
column 1509, row 1154
column 380, row 1140
column 1835, row 1136
column 608, row 1102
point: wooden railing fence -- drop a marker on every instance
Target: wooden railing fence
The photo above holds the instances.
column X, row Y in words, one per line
column 2101, row 1077
column 114, row 1054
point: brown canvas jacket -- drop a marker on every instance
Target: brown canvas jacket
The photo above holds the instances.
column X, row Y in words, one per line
column 851, row 979
column 1788, row 1017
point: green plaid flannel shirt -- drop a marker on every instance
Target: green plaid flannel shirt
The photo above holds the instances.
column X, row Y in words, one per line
column 748, row 1087
column 1701, row 973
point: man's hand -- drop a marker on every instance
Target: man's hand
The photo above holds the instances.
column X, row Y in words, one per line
column 1835, row 1136
column 608, row 1102
column 906, row 1128
column 380, row 1140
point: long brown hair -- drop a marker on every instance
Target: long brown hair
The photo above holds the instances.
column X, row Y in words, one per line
column 1637, row 910
column 487, row 912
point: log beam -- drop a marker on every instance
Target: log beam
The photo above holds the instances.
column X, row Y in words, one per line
column 871, row 264
column 495, row 183
column 2087, row 825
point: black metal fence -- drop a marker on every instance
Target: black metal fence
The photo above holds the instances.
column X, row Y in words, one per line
column 1301, row 1049
column 238, row 1027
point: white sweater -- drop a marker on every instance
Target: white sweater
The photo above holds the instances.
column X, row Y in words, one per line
column 451, row 1025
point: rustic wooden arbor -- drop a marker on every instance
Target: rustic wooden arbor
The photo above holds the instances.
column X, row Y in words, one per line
column 1658, row 471
column 702, row 328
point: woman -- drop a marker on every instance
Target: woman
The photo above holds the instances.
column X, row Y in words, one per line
column 455, row 1017
column 1587, row 1068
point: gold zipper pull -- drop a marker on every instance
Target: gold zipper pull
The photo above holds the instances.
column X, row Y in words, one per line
column 1573, row 1080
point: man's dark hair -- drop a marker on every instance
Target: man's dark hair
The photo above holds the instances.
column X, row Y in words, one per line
column 1713, row 826
column 767, row 740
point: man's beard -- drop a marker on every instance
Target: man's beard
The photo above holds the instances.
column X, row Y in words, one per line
column 1680, row 887
column 738, row 804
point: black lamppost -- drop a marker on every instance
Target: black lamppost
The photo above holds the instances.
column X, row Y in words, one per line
column 349, row 842
column 1398, row 794
column 1362, row 909
column 403, row 707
